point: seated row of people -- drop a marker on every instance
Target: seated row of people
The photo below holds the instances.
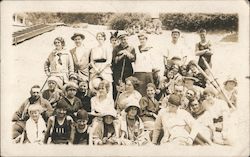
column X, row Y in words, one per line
column 136, row 120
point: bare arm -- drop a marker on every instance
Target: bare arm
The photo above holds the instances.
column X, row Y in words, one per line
column 199, row 52
column 72, row 130
column 157, row 129
column 47, row 132
column 46, row 67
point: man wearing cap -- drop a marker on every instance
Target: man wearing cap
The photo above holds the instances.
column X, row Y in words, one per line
column 21, row 115
column 123, row 57
column 53, row 93
column 143, row 64
column 188, row 82
column 175, row 122
column 176, row 49
column 70, row 100
column 80, row 55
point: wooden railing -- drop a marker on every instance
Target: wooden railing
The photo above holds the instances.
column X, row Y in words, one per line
column 31, row 32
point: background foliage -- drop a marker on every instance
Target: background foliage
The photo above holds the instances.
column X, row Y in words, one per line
column 119, row 21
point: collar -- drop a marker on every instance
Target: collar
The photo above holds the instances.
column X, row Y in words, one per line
column 196, row 115
column 58, row 52
column 124, row 47
column 145, row 49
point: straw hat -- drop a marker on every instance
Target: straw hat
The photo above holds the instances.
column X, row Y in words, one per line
column 78, row 34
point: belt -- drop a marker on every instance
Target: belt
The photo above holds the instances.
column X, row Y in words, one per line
column 100, row 60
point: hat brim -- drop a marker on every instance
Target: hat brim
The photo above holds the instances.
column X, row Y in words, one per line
column 138, row 109
column 109, row 115
column 236, row 83
column 154, row 71
column 76, row 35
column 190, row 78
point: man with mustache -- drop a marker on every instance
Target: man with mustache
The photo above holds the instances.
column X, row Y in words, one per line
column 21, row 115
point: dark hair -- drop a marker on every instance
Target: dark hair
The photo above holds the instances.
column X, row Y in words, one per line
column 174, row 99
column 61, row 40
column 192, row 89
column 61, row 104
column 202, row 30
column 135, row 82
column 102, row 34
column 114, row 35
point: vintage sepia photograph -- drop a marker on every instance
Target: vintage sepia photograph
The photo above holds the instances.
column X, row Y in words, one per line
column 125, row 78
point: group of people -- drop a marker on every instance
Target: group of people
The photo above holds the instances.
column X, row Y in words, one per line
column 114, row 94
column 151, row 26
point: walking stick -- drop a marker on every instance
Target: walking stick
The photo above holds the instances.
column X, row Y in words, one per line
column 122, row 72
column 44, row 83
column 218, row 85
column 207, row 77
column 95, row 74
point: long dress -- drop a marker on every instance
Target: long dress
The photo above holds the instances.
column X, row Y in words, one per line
column 80, row 56
column 101, row 57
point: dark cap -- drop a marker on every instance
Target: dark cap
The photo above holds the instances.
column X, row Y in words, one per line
column 175, row 58
column 122, row 36
column 82, row 114
column 174, row 99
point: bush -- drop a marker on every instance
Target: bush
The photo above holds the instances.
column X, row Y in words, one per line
column 122, row 20
column 69, row 18
column 195, row 21
column 189, row 22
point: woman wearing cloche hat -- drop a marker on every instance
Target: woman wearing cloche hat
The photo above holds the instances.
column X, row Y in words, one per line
column 106, row 132
column 132, row 128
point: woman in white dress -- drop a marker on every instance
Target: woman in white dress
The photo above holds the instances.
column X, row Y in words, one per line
column 100, row 60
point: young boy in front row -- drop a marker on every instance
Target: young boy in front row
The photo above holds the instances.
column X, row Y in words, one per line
column 35, row 125
column 59, row 126
column 81, row 130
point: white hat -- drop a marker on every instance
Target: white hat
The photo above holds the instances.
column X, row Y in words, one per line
column 35, row 108
column 110, row 112
column 176, row 30
column 70, row 85
column 56, row 79
column 230, row 78
column 134, row 103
